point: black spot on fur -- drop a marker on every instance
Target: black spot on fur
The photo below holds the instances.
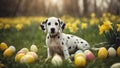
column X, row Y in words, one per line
column 62, row 43
column 58, row 37
column 69, row 47
column 85, row 44
column 68, row 37
column 76, row 39
column 72, row 36
column 81, row 42
column 75, row 42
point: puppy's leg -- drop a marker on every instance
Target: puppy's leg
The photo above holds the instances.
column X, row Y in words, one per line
column 49, row 54
column 66, row 54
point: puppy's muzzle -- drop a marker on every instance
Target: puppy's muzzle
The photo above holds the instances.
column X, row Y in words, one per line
column 52, row 30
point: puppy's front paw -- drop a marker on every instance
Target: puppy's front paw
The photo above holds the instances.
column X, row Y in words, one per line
column 47, row 59
column 69, row 60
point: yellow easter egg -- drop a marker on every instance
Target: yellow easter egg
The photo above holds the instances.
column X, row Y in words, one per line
column 3, row 46
column 27, row 59
column 56, row 60
column 118, row 51
column 34, row 48
column 33, row 54
column 8, row 52
column 79, row 54
column 102, row 53
column 80, row 61
column 18, row 57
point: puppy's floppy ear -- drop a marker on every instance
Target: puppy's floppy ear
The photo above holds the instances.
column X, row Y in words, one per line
column 43, row 25
column 61, row 24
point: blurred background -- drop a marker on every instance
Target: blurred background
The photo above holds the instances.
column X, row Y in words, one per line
column 12, row 8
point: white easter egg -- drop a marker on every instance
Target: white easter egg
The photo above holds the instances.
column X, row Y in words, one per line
column 112, row 52
column 12, row 48
column 115, row 65
column 78, row 51
column 56, row 60
column 34, row 48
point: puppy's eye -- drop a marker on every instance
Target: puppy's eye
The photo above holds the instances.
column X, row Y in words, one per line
column 56, row 23
column 49, row 23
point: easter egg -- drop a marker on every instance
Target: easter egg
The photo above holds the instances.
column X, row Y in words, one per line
column 34, row 48
column 102, row 53
column 3, row 46
column 8, row 52
column 12, row 48
column 87, row 51
column 78, row 51
column 115, row 65
column 90, row 56
column 112, row 52
column 18, row 57
column 79, row 54
column 80, row 61
column 23, row 50
column 27, row 59
column 33, row 54
column 118, row 51
column 56, row 60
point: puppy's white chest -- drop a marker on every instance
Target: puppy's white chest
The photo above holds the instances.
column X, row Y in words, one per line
column 54, row 45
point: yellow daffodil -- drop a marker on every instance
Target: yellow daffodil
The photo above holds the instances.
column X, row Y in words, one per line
column 118, row 29
column 93, row 15
column 105, row 27
column 7, row 26
column 1, row 25
column 19, row 26
column 108, row 25
column 73, row 28
column 101, row 29
column 83, row 25
column 68, row 25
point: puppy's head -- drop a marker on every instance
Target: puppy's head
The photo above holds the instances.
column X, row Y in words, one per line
column 52, row 25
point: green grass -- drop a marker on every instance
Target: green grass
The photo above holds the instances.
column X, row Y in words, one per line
column 33, row 35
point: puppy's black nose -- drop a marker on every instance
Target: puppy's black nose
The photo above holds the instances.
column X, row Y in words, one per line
column 52, row 30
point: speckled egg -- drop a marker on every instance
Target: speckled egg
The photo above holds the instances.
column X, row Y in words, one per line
column 102, row 53
column 112, row 52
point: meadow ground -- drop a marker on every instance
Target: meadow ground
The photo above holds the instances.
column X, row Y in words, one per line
column 31, row 34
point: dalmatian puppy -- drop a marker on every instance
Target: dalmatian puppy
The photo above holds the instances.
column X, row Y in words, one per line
column 61, row 43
